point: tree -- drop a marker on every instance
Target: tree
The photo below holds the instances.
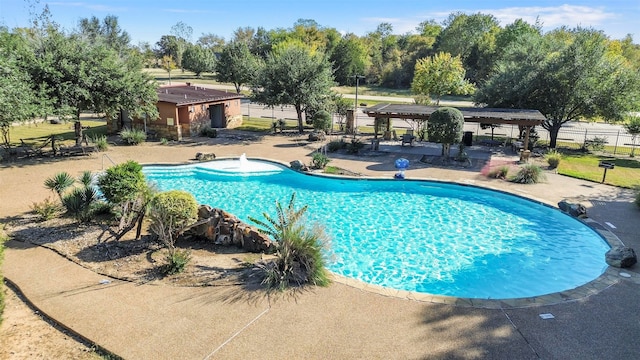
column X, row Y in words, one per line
column 632, row 125
column 17, row 98
column 168, row 65
column 348, row 58
column 211, row 41
column 445, row 126
column 107, row 31
column 124, row 186
column 182, row 33
column 566, row 75
column 439, row 75
column 473, row 38
column 236, row 65
column 199, row 59
column 294, row 75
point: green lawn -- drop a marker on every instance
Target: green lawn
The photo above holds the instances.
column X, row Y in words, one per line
column 585, row 166
column 35, row 134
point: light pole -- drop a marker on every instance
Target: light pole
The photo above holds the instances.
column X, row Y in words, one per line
column 355, row 109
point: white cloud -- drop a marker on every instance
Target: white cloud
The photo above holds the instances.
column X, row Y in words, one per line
column 551, row 17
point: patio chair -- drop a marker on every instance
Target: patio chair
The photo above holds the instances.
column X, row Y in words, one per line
column 408, row 138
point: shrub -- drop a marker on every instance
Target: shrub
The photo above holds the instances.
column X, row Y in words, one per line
column 3, row 238
column 354, row 146
column 133, row 136
column 529, row 174
column 59, row 183
column 445, row 127
column 164, row 141
column 322, row 121
column 176, row 262
column 553, row 158
column 595, row 144
column 45, row 210
column 170, row 212
column 336, row 145
column 319, row 161
column 209, row 132
column 299, row 259
column 124, row 187
column 101, row 143
column 499, row 172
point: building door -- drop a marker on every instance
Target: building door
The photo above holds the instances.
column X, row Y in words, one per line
column 216, row 114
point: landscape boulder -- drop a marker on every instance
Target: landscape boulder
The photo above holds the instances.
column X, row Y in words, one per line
column 226, row 229
column 298, row 165
column 575, row 210
column 317, row 135
column 621, row 257
column 205, row 156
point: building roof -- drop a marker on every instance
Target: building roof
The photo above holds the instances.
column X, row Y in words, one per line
column 190, row 95
column 524, row 117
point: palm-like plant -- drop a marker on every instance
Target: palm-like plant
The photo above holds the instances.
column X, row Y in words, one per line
column 299, row 257
column 284, row 220
column 59, row 183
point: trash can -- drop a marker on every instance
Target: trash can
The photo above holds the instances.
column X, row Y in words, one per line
column 467, row 138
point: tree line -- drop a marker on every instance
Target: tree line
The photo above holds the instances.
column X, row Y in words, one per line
column 567, row 74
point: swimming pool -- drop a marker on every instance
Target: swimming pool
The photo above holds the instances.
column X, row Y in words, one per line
column 423, row 236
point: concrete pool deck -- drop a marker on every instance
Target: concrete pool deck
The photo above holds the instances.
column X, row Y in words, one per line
column 339, row 322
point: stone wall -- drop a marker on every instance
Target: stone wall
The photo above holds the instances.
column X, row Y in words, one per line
column 226, row 229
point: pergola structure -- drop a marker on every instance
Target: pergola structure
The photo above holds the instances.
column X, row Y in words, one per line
column 522, row 117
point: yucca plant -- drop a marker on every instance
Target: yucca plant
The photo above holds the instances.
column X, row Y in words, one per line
column 299, row 255
column 59, row 183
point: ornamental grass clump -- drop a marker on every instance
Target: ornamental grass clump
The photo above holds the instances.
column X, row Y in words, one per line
column 500, row 172
column 299, row 251
column 553, row 158
column 529, row 174
column 133, row 136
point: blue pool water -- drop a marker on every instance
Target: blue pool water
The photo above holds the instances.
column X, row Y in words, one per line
column 422, row 236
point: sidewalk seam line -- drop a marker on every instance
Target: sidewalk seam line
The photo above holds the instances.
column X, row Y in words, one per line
column 236, row 334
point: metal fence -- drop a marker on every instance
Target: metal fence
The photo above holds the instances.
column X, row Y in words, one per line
column 613, row 141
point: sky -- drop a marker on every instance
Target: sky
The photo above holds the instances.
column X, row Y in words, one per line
column 148, row 20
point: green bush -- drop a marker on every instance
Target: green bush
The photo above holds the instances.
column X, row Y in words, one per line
column 209, row 132
column 445, row 127
column 133, row 136
column 177, row 261
column 553, row 158
column 3, row 238
column 45, row 210
column 101, row 143
column 499, row 172
column 125, row 189
column 355, row 146
column 164, row 141
column 170, row 212
column 299, row 255
column 336, row 145
column 322, row 121
column 529, row 174
column 319, row 161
